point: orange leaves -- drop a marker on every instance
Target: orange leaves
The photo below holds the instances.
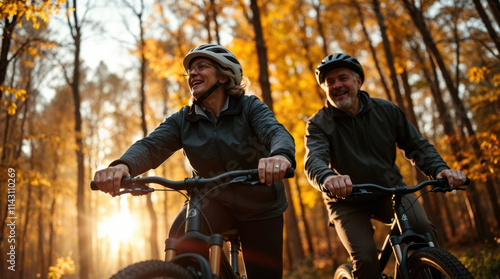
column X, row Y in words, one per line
column 481, row 166
column 477, row 74
column 10, row 104
column 36, row 12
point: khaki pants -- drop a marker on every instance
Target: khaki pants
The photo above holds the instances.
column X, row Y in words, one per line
column 352, row 222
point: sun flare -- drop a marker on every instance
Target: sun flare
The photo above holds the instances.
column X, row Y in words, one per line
column 117, row 228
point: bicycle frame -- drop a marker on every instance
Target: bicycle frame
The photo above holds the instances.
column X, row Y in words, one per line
column 401, row 233
column 218, row 262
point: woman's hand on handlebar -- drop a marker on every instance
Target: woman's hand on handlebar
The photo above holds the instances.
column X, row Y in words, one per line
column 339, row 186
column 455, row 178
column 273, row 169
column 109, row 179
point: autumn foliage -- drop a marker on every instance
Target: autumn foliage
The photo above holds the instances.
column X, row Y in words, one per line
column 61, row 118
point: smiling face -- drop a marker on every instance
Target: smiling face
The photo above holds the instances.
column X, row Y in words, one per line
column 202, row 76
column 341, row 86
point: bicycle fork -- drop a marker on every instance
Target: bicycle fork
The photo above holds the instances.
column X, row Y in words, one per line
column 193, row 234
column 402, row 233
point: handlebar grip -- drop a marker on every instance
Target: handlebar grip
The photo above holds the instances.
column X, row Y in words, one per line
column 125, row 181
column 93, row 186
column 290, row 172
column 444, row 181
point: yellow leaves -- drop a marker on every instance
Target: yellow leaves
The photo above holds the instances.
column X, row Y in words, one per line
column 11, row 107
column 64, row 265
column 69, row 11
column 481, row 167
column 36, row 12
column 496, row 80
column 477, row 74
column 18, row 94
column 9, row 9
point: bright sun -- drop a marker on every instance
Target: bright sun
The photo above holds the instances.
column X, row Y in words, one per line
column 117, row 228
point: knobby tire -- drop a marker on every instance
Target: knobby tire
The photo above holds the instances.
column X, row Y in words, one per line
column 344, row 271
column 432, row 262
column 153, row 269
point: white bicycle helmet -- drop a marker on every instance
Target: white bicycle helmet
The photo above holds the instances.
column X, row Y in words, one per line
column 217, row 53
column 338, row 60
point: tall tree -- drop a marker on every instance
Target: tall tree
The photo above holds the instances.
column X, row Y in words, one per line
column 372, row 49
column 260, row 45
column 495, row 10
column 139, row 13
column 487, row 23
column 73, row 80
column 389, row 56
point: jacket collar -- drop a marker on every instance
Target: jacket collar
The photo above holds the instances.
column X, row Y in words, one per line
column 234, row 107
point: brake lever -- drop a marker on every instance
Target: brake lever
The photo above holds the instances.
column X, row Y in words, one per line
column 446, row 189
column 248, row 179
column 360, row 192
column 136, row 191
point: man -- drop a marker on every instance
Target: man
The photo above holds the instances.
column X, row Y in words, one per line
column 352, row 140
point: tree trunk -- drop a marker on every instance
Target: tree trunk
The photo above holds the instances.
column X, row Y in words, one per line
column 213, row 10
column 310, row 246
column 41, row 239
column 321, row 29
column 487, row 23
column 25, row 223
column 372, row 50
column 265, row 85
column 495, row 10
column 296, row 251
column 82, row 224
column 389, row 56
column 8, row 28
column 206, row 15
column 307, row 47
column 409, row 102
column 152, row 214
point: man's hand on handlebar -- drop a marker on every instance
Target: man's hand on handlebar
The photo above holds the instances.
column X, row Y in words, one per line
column 455, row 178
column 339, row 186
column 109, row 179
column 273, row 169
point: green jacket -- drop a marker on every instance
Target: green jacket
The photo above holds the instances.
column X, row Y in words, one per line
column 242, row 134
column 364, row 146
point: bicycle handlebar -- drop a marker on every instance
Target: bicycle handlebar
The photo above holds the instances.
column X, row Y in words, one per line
column 242, row 176
column 441, row 186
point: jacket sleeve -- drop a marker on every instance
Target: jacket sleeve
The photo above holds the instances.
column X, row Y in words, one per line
column 317, row 157
column 269, row 131
column 151, row 151
column 416, row 148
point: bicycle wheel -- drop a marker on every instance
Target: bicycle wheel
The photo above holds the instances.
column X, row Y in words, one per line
column 153, row 269
column 344, row 271
column 431, row 262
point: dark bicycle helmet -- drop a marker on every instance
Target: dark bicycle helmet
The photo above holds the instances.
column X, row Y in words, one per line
column 338, row 60
column 217, row 53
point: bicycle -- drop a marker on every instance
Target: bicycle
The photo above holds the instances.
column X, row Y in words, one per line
column 415, row 254
column 190, row 264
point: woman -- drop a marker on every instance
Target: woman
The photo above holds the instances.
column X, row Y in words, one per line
column 223, row 130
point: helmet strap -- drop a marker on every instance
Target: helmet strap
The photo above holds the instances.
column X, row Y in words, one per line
column 205, row 95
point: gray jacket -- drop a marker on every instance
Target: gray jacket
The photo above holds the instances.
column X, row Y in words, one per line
column 242, row 134
column 364, row 146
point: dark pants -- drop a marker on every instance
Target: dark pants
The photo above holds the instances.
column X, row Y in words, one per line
column 261, row 240
column 354, row 228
